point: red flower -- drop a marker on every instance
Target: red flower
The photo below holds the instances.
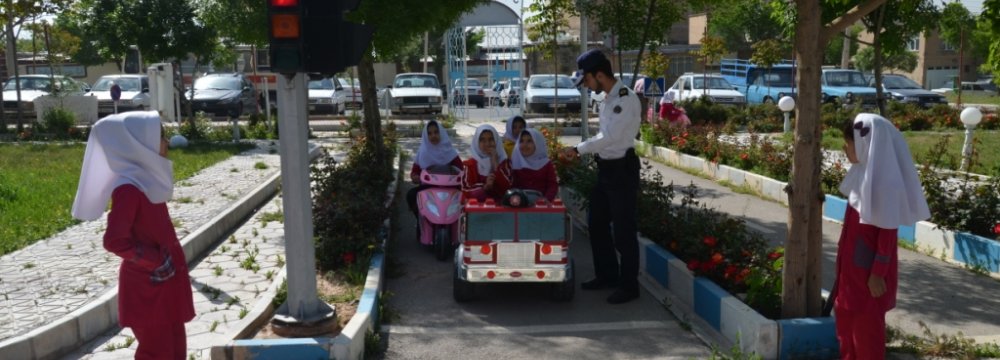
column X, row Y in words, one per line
column 710, row 241
column 996, row 229
column 706, row 266
column 716, row 258
column 673, row 245
column 348, row 258
column 744, row 156
column 745, row 253
column 774, row 255
column 693, row 264
column 731, row 270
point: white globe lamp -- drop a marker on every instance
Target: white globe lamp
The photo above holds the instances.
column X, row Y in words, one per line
column 971, row 116
column 787, row 104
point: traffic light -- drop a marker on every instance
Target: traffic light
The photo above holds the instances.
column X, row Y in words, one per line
column 284, row 19
column 313, row 36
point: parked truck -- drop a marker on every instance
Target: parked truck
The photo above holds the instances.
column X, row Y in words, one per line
column 758, row 84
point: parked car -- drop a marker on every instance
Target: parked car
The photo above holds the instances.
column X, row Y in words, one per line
column 415, row 93
column 321, row 99
column 509, row 95
column 469, row 91
column 551, row 92
column 845, row 86
column 348, row 94
column 900, row 88
column 758, row 84
column 492, row 94
column 982, row 86
column 134, row 95
column 34, row 86
column 693, row 86
column 596, row 99
column 224, row 94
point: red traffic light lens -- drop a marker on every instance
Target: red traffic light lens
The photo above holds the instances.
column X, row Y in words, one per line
column 283, row 3
column 284, row 26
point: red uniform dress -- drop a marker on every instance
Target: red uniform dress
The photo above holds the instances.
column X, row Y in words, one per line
column 141, row 233
column 474, row 183
column 864, row 250
column 543, row 180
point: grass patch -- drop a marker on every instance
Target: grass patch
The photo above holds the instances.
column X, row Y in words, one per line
column 974, row 97
column 38, row 184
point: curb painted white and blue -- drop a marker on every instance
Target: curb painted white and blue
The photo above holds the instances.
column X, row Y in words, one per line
column 729, row 318
column 350, row 343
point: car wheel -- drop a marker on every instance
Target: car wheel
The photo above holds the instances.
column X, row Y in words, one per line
column 442, row 243
column 564, row 291
column 769, row 100
column 237, row 111
column 480, row 105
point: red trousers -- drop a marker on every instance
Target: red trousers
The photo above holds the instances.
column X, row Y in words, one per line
column 161, row 342
column 861, row 334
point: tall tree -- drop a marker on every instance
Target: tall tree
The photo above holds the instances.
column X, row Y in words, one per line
column 905, row 61
column 767, row 53
column 891, row 37
column 549, row 22
column 955, row 26
column 744, row 23
column 990, row 25
column 619, row 19
column 237, row 20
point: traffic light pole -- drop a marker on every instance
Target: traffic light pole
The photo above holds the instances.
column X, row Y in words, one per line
column 303, row 309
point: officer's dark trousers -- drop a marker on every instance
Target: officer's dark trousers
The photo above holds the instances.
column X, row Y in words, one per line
column 613, row 201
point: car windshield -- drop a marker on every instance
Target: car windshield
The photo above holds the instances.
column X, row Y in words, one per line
column 713, row 83
column 551, row 82
column 844, row 78
column 411, row 81
column 899, row 82
column 469, row 82
column 322, row 84
column 777, row 78
column 516, row 83
column 217, row 83
column 347, row 82
column 42, row 84
column 126, row 84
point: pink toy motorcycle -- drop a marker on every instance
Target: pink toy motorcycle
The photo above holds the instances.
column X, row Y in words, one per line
column 440, row 207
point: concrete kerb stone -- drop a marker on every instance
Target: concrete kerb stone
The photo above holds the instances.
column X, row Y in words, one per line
column 82, row 325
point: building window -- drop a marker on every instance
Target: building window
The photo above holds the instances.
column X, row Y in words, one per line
column 913, row 44
column 945, row 46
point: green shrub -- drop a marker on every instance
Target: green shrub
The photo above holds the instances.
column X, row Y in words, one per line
column 703, row 111
column 969, row 204
column 59, row 121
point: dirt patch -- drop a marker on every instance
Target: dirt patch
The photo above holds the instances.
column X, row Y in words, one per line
column 335, row 290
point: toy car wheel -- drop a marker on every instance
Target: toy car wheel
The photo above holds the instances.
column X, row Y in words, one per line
column 462, row 290
column 564, row 291
column 442, row 243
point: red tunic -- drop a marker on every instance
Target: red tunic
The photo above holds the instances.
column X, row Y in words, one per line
column 473, row 183
column 864, row 250
column 415, row 170
column 141, row 233
column 543, row 180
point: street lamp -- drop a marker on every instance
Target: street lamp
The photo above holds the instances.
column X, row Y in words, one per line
column 787, row 104
column 970, row 117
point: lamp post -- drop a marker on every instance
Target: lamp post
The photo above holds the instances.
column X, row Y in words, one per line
column 970, row 117
column 787, row 104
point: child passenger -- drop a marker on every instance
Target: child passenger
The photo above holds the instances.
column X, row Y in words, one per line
column 435, row 149
column 515, row 125
column 480, row 178
column 883, row 192
column 126, row 162
column 530, row 167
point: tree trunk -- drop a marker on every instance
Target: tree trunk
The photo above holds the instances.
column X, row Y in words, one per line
column 801, row 290
column 372, row 118
column 877, row 63
column 642, row 46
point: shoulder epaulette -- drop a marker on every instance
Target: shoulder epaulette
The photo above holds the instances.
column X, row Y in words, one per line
column 622, row 92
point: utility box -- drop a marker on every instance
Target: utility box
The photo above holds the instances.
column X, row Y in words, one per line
column 162, row 94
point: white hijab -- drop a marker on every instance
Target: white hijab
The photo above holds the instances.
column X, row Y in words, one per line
column 510, row 135
column 483, row 160
column 883, row 186
column 123, row 149
column 534, row 161
column 429, row 154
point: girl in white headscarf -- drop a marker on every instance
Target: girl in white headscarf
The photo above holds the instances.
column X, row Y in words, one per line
column 479, row 179
column 884, row 193
column 515, row 125
column 530, row 165
column 125, row 162
column 435, row 150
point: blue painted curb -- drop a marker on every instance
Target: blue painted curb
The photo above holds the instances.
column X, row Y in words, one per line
column 834, row 208
column 302, row 348
column 708, row 301
column 657, row 264
column 977, row 251
column 808, row 338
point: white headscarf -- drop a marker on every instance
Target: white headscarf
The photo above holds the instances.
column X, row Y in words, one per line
column 123, row 149
column 883, row 186
column 668, row 98
column 534, row 161
column 510, row 135
column 483, row 160
column 429, row 154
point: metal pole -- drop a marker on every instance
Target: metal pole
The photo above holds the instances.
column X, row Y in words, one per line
column 788, row 121
column 303, row 307
column 967, row 148
column 584, row 93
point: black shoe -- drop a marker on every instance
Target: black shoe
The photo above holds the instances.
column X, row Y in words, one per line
column 597, row 284
column 622, row 296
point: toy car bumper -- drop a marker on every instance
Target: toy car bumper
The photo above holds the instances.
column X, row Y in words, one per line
column 493, row 274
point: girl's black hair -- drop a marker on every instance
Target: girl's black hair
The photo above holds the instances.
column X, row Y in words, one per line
column 433, row 123
column 848, row 129
column 517, row 118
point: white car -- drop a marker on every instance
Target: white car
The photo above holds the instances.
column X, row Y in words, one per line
column 509, row 95
column 321, row 97
column 415, row 93
column 347, row 95
column 492, row 94
column 134, row 95
column 34, row 86
column 692, row 86
column 551, row 92
column 596, row 99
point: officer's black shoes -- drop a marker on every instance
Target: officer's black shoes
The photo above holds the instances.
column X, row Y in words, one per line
column 597, row 284
column 622, row 296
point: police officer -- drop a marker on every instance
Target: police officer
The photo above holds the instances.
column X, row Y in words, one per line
column 614, row 198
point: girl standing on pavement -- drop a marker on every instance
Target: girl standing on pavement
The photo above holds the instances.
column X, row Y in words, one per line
column 435, row 149
column 126, row 162
column 479, row 180
column 515, row 125
column 883, row 192
column 529, row 167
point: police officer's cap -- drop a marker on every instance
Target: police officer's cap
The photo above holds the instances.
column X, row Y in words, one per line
column 588, row 61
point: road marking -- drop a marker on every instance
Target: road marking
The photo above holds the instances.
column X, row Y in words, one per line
column 532, row 329
column 759, row 228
